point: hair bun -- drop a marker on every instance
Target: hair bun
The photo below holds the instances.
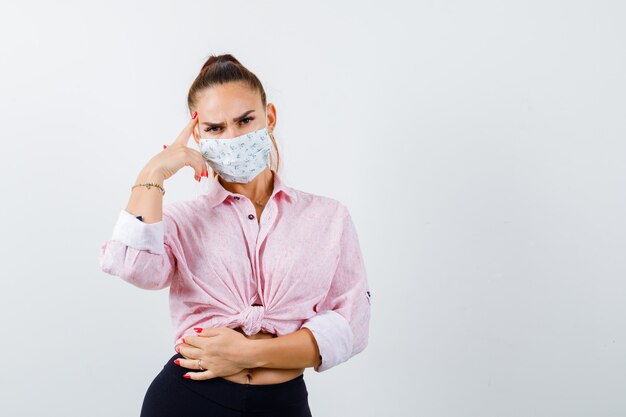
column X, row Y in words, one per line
column 220, row 59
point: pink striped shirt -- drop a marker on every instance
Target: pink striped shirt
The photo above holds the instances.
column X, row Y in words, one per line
column 302, row 263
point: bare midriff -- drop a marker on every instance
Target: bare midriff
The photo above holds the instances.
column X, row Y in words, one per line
column 262, row 376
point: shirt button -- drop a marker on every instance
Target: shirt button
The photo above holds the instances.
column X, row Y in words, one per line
column 251, row 216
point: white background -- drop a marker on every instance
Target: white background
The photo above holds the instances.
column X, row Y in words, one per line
column 478, row 145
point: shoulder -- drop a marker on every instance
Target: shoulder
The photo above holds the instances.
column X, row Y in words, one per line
column 322, row 204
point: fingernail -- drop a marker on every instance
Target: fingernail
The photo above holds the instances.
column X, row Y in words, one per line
column 194, row 115
column 198, row 329
column 178, row 349
column 177, row 361
column 164, row 146
column 186, row 376
column 184, row 340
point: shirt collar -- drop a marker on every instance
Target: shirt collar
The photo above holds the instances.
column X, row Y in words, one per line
column 218, row 194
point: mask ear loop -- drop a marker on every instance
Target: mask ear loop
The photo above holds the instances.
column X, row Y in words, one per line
column 197, row 130
column 271, row 136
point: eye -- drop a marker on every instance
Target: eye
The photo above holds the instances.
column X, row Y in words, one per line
column 248, row 119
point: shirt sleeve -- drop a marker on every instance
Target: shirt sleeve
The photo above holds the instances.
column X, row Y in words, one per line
column 140, row 253
column 341, row 327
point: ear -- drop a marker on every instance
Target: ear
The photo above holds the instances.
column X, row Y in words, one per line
column 270, row 112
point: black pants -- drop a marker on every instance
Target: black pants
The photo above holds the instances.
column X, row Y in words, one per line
column 171, row 395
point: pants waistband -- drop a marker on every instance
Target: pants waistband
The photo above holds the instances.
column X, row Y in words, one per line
column 233, row 394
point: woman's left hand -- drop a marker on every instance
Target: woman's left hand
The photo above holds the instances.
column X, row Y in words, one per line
column 219, row 350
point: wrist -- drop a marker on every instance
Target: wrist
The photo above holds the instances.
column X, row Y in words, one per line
column 251, row 354
column 149, row 174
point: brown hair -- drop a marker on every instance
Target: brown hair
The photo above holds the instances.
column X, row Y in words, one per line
column 222, row 69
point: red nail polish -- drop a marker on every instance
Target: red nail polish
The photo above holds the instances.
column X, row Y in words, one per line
column 177, row 361
column 186, row 376
column 164, row 146
column 178, row 349
column 194, row 115
column 184, row 340
column 198, row 329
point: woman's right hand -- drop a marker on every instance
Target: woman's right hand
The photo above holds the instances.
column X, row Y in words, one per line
column 178, row 155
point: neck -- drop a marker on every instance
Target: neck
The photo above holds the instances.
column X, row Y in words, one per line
column 260, row 188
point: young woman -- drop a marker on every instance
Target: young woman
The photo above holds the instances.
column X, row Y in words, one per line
column 265, row 280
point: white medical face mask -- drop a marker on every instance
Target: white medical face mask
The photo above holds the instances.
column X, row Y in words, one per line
column 238, row 159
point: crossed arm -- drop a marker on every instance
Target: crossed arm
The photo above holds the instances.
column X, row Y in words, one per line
column 295, row 350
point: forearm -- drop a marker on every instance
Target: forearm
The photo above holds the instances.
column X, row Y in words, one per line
column 147, row 202
column 295, row 350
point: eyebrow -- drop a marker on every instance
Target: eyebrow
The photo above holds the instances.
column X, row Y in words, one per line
column 236, row 119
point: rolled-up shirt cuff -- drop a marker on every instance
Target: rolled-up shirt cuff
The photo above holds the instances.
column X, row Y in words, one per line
column 334, row 338
column 139, row 235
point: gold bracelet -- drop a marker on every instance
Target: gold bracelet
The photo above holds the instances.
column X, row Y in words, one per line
column 148, row 185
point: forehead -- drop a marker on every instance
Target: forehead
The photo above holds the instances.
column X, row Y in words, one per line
column 228, row 99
